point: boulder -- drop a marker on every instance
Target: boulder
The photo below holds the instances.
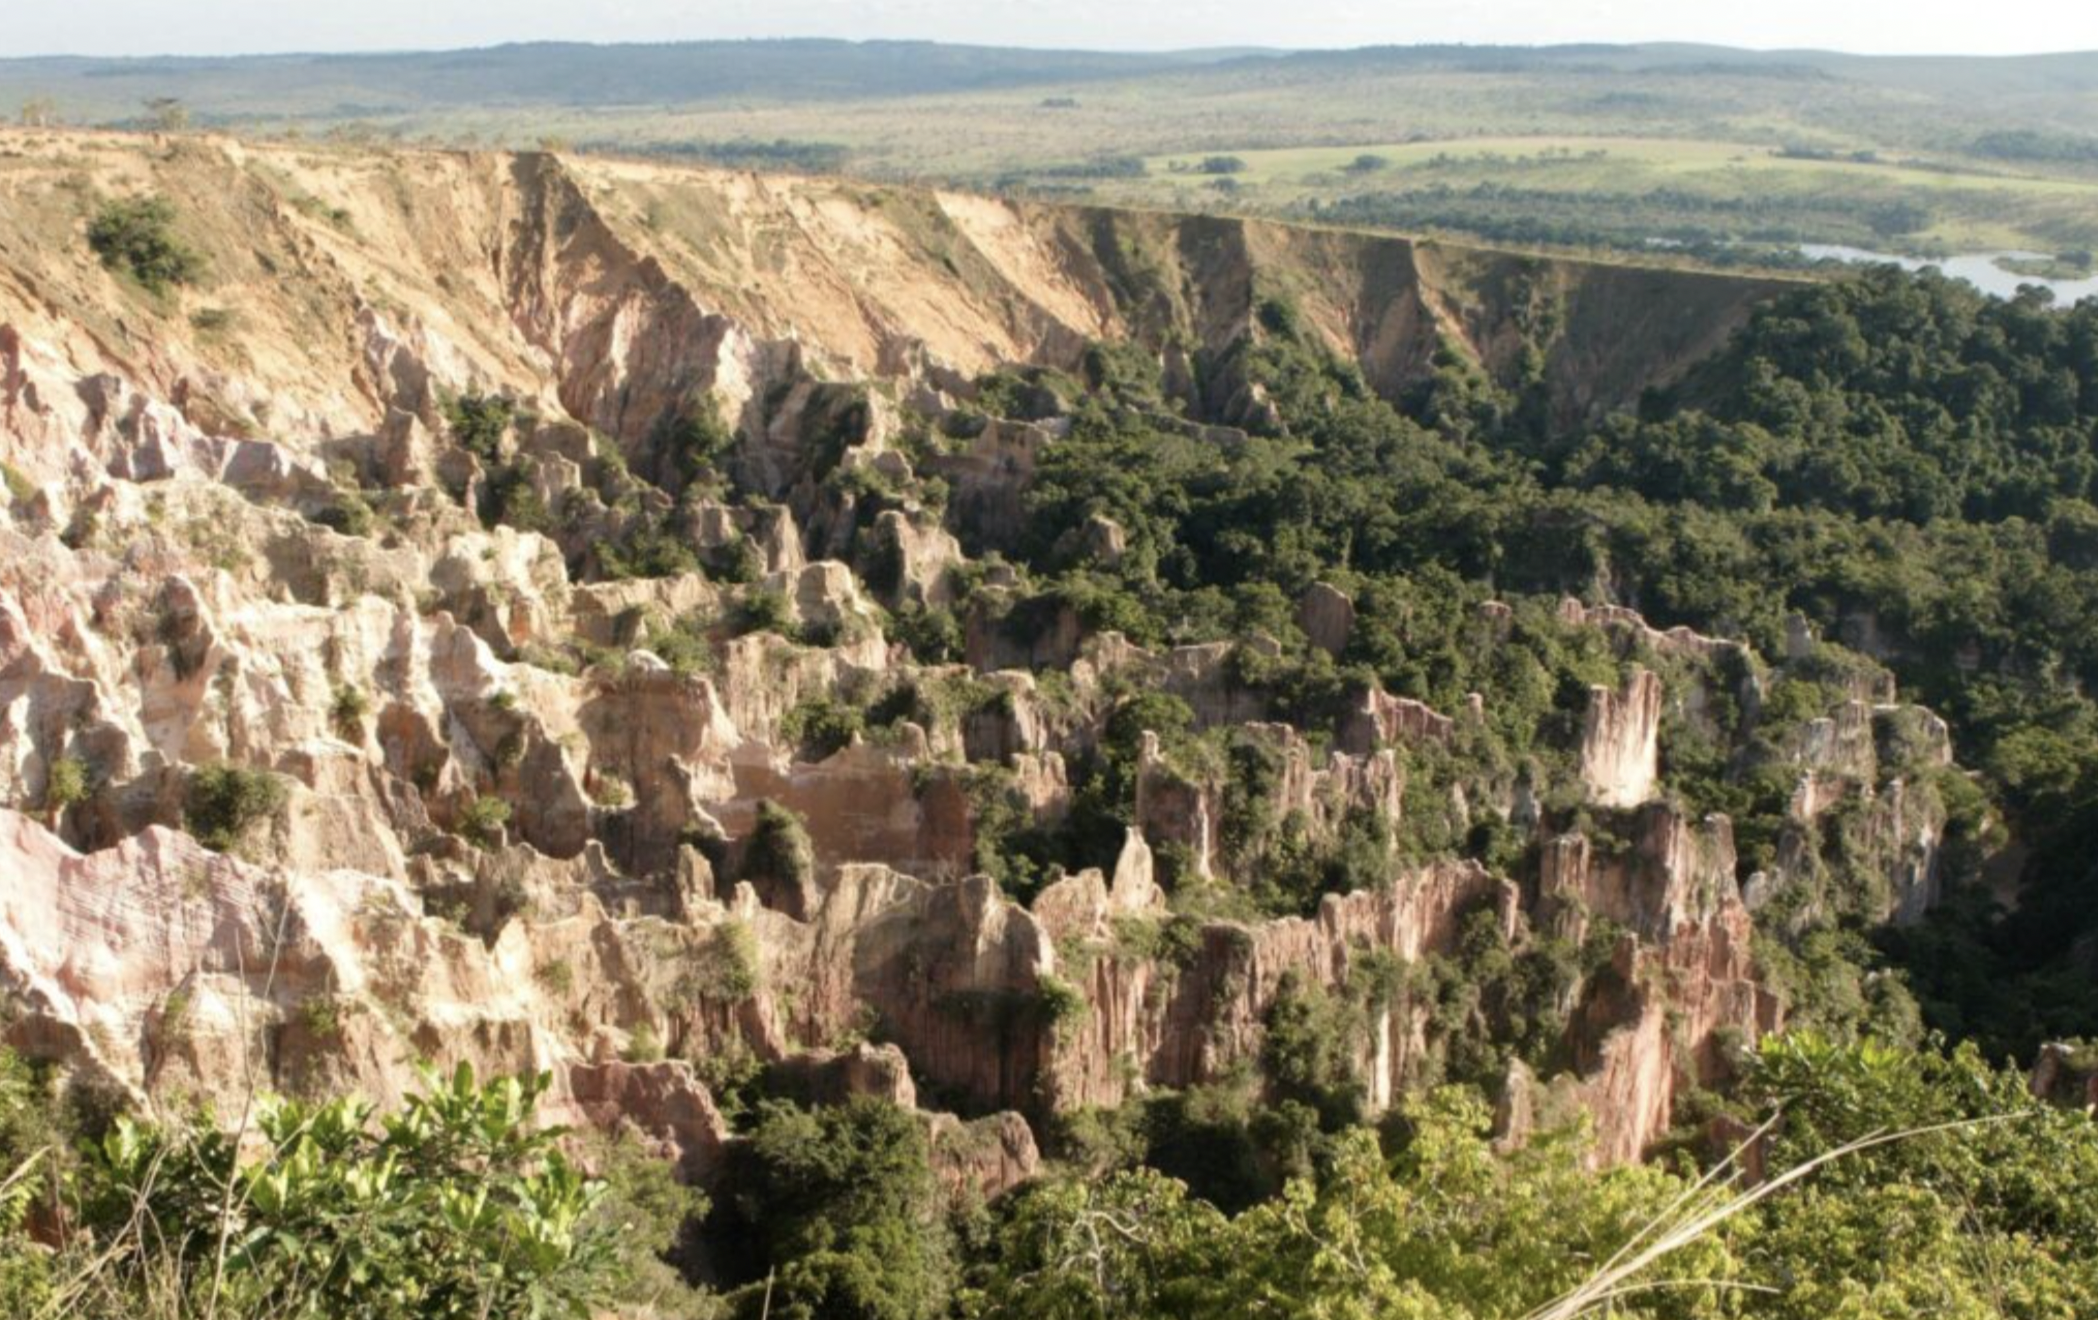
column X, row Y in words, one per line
column 1327, row 616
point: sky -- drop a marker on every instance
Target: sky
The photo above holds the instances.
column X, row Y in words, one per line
column 149, row 27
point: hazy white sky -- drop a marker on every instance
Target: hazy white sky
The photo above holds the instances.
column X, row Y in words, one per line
column 138, row 27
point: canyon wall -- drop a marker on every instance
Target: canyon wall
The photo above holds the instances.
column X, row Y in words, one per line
column 516, row 804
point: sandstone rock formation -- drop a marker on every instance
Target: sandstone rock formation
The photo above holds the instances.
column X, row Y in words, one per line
column 1327, row 616
column 1620, row 745
column 521, row 781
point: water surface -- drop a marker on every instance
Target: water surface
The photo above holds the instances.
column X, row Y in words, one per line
column 1980, row 269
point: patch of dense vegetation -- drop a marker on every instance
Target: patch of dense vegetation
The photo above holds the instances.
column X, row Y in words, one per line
column 2037, row 144
column 1755, row 229
column 137, row 236
column 226, row 801
column 1982, row 1217
column 1905, row 463
column 1927, row 1183
column 752, row 153
column 834, row 1211
column 1099, row 167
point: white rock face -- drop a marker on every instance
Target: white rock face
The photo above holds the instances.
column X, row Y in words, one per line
column 1620, row 747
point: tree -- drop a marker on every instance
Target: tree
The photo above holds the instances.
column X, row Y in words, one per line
column 1449, row 1230
column 779, row 861
column 1135, row 1244
column 38, row 112
column 137, row 236
column 167, row 114
column 66, row 783
column 845, row 1212
column 225, row 801
column 1978, row 1210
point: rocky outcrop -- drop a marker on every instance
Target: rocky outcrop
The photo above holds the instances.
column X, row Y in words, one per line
column 1327, row 616
column 168, row 973
column 1377, row 719
column 512, row 714
column 661, row 1103
column 1620, row 744
column 2066, row 1074
column 162, row 969
column 1682, row 985
column 1633, row 630
column 983, row 1160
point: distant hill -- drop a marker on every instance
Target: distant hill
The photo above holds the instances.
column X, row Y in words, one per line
column 549, row 74
column 560, row 74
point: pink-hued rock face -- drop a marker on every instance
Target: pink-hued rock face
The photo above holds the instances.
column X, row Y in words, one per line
column 169, row 970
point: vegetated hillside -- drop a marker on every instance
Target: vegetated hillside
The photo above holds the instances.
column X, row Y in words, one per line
column 962, row 726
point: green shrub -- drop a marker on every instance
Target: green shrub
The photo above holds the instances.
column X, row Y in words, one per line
column 20, row 489
column 350, row 514
column 346, row 712
column 481, row 821
column 1062, row 1003
column 1309, row 1050
column 736, row 562
column 652, row 1219
column 821, row 725
column 67, row 783
column 697, row 443
column 479, row 422
column 137, row 236
column 225, row 801
column 844, row 1211
column 643, row 1045
column 780, row 858
column 734, row 1075
column 34, row 1145
column 610, row 790
column 933, row 634
column 510, row 498
column 557, row 976
column 1175, row 941
column 649, row 549
column 322, row 1016
column 764, row 610
column 726, row 969
column 683, row 644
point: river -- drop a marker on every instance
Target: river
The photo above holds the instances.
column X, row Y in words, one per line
column 1979, row 269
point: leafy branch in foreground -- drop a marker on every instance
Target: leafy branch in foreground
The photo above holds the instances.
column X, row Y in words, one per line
column 457, row 1206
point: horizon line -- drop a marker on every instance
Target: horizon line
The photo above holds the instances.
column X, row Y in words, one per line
column 1223, row 53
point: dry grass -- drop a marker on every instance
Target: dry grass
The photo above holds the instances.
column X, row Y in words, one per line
column 1702, row 1209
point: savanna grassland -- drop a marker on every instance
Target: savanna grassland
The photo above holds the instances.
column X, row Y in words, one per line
column 1730, row 156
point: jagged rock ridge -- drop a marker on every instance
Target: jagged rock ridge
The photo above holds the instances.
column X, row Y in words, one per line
column 186, row 581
